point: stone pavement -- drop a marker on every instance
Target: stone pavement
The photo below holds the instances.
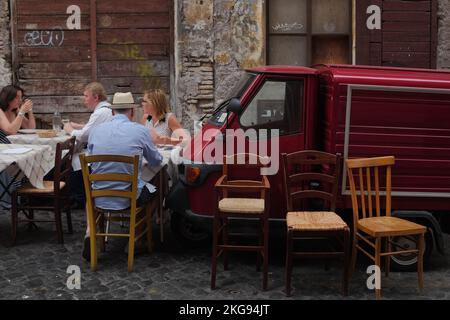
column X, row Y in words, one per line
column 36, row 268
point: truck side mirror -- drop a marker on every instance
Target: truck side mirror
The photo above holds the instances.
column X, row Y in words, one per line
column 234, row 106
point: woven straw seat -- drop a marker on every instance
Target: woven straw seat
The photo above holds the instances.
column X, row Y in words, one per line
column 242, row 205
column 314, row 221
column 48, row 187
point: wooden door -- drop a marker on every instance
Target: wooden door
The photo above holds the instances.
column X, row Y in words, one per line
column 125, row 45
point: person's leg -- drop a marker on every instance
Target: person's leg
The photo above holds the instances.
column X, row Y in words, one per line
column 144, row 198
column 86, row 253
column 77, row 188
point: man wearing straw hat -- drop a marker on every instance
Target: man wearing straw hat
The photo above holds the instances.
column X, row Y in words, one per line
column 121, row 136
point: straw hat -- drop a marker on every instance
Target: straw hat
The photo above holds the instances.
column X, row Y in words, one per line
column 123, row 100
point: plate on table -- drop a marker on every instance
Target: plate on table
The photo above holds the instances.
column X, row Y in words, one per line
column 27, row 131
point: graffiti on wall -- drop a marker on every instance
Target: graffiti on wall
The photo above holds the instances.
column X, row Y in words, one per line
column 295, row 26
column 45, row 38
column 143, row 69
column 54, row 37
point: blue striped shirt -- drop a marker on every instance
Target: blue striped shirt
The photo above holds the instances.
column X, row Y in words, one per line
column 122, row 137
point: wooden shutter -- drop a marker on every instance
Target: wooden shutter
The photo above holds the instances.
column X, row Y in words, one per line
column 407, row 38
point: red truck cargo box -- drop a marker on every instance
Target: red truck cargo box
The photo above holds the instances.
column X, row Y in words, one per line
column 376, row 111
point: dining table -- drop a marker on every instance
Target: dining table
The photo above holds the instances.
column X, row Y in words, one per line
column 31, row 137
column 163, row 176
column 19, row 160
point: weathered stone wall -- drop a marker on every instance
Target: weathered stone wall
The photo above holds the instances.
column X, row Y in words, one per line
column 443, row 49
column 215, row 40
column 5, row 45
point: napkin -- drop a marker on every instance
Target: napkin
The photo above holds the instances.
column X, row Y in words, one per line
column 151, row 188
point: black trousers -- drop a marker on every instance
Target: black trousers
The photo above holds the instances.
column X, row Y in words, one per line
column 77, row 187
column 145, row 197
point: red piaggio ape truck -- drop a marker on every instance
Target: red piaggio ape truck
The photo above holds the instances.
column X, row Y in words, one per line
column 358, row 111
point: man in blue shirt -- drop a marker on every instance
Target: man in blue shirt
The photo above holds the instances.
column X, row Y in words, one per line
column 120, row 136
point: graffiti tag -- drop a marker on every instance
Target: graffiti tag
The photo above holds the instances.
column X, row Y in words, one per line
column 287, row 26
column 143, row 69
column 45, row 38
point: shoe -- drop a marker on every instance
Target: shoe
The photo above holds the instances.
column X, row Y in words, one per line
column 87, row 249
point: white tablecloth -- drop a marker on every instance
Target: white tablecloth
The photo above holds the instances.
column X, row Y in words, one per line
column 36, row 140
column 35, row 164
column 169, row 159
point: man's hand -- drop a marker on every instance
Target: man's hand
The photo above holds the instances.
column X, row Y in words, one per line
column 68, row 128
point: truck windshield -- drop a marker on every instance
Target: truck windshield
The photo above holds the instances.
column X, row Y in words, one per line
column 219, row 114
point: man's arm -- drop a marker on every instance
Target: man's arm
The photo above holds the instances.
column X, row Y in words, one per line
column 96, row 118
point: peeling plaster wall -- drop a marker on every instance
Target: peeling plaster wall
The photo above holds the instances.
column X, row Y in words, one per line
column 443, row 49
column 215, row 40
column 5, row 45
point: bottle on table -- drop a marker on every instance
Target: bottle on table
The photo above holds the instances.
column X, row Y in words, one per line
column 57, row 121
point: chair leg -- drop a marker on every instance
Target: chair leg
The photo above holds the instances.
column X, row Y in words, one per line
column 421, row 240
column 58, row 221
column 378, row 264
column 69, row 220
column 225, row 238
column 266, row 253
column 346, row 250
column 260, row 254
column 14, row 217
column 148, row 212
column 103, row 230
column 288, row 262
column 354, row 254
column 31, row 224
column 92, row 237
column 214, row 251
column 131, row 241
column 388, row 258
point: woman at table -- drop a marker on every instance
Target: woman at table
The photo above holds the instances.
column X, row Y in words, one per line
column 15, row 113
column 164, row 126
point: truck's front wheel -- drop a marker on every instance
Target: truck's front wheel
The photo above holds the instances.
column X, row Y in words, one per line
column 408, row 261
column 186, row 231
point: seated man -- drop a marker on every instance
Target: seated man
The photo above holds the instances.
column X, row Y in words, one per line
column 120, row 136
column 95, row 100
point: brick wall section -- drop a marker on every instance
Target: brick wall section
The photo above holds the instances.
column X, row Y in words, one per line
column 443, row 50
column 5, row 45
column 215, row 40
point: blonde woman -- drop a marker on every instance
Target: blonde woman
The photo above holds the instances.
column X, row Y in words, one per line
column 164, row 126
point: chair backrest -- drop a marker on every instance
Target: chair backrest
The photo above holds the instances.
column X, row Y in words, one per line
column 311, row 174
column 89, row 178
column 366, row 185
column 248, row 168
column 63, row 163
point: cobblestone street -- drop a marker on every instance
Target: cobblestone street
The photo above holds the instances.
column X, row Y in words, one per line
column 36, row 268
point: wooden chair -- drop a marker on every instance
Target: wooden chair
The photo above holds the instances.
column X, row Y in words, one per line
column 136, row 216
column 248, row 199
column 309, row 176
column 56, row 193
column 377, row 227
